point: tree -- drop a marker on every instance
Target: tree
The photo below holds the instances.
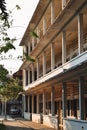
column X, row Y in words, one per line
column 6, row 42
column 9, row 87
column 3, row 75
column 3, row 14
column 10, row 91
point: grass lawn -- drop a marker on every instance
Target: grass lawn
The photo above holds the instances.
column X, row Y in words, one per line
column 2, row 126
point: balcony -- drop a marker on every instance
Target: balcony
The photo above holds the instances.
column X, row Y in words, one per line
column 77, row 61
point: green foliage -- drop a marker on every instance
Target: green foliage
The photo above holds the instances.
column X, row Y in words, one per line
column 3, row 14
column 6, row 43
column 11, row 89
column 2, row 126
column 28, row 58
column 3, row 74
column 33, row 34
column 18, row 7
column 6, row 48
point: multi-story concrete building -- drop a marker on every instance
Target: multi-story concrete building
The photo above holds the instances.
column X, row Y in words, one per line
column 56, row 83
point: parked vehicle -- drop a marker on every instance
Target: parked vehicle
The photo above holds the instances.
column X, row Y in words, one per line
column 14, row 111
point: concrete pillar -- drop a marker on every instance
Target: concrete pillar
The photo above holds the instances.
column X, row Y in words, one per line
column 52, row 56
column 32, row 103
column 44, row 103
column 32, row 72
column 70, row 108
column 28, row 76
column 28, row 104
column 52, row 11
column 52, row 102
column 38, row 33
column 64, row 99
column 80, row 33
column 44, row 25
column 24, row 78
column 24, row 101
column 29, row 48
column 2, row 108
column 63, row 47
column 22, row 105
column 37, row 68
column 81, row 97
column 63, row 4
column 33, row 42
column 37, row 104
column 44, row 63
column 24, row 49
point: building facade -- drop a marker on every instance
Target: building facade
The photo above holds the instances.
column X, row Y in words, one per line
column 56, row 83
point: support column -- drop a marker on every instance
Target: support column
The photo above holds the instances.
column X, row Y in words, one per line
column 23, row 105
column 52, row 102
column 63, row 47
column 28, row 76
column 38, row 33
column 32, row 103
column 44, row 103
column 80, row 33
column 52, row 12
column 28, row 104
column 29, row 48
column 37, row 104
column 24, row 78
column 63, row 4
column 24, row 97
column 33, row 42
column 2, row 108
column 44, row 63
column 64, row 99
column 37, row 68
column 52, row 56
column 44, row 25
column 32, row 72
column 24, row 49
column 81, row 97
column 70, row 111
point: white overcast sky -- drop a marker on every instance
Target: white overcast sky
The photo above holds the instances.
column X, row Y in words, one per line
column 21, row 19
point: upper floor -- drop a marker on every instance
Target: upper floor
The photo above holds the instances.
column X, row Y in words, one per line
column 62, row 29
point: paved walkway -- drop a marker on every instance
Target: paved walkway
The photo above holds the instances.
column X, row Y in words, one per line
column 21, row 124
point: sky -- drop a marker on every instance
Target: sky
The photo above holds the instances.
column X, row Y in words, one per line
column 21, row 20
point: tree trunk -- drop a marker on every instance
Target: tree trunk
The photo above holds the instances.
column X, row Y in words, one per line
column 5, row 110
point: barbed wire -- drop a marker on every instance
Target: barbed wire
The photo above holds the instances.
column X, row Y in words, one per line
column 10, row 57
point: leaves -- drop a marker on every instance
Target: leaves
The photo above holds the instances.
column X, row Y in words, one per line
column 33, row 34
column 6, row 48
column 4, row 14
column 2, row 126
column 5, row 24
column 28, row 58
column 3, row 74
column 11, row 89
column 18, row 7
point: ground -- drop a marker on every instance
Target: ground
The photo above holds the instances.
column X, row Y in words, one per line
column 22, row 124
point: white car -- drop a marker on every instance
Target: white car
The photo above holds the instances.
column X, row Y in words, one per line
column 14, row 111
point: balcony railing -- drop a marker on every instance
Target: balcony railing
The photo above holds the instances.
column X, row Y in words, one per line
column 68, row 65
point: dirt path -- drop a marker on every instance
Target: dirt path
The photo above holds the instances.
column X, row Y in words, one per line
column 16, row 125
column 21, row 124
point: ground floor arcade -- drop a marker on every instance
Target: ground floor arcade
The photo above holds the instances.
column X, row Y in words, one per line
column 60, row 102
